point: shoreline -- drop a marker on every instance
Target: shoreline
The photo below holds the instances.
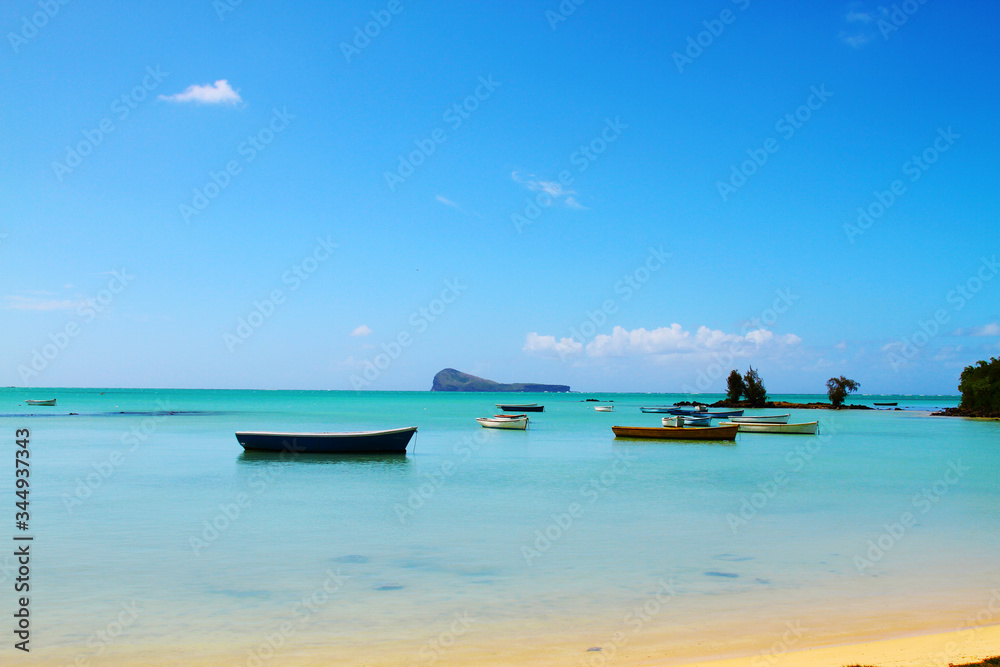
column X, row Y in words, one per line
column 924, row 649
column 888, row 648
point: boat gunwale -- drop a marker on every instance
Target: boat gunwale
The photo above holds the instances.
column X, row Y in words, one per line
column 329, row 434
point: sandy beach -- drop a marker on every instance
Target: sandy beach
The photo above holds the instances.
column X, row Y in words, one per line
column 929, row 650
column 935, row 649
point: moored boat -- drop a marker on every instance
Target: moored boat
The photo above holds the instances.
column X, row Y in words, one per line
column 518, row 424
column 805, row 428
column 714, row 414
column 678, row 433
column 525, row 407
column 888, row 405
column 604, row 408
column 657, row 409
column 681, row 420
column 762, row 419
column 348, row 442
column 46, row 401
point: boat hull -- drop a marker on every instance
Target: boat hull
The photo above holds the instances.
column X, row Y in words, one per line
column 761, row 419
column 392, row 441
column 604, row 408
column 50, row 401
column 656, row 410
column 512, row 424
column 513, row 407
column 805, row 428
column 675, row 433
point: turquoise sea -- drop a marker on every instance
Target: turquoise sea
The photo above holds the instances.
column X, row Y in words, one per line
column 158, row 541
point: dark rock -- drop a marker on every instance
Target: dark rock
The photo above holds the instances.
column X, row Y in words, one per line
column 451, row 380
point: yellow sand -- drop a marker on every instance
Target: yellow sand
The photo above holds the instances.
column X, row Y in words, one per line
column 925, row 650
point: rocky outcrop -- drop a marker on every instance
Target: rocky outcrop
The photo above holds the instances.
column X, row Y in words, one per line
column 451, row 380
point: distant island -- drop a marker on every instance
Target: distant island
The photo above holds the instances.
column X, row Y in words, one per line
column 451, row 380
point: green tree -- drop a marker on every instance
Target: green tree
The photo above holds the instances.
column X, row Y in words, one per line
column 838, row 389
column 980, row 387
column 754, row 389
column 735, row 388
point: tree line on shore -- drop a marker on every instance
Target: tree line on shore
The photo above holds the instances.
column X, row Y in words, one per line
column 979, row 386
column 748, row 389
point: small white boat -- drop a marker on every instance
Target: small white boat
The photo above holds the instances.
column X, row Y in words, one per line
column 807, row 428
column 604, row 408
column 681, row 420
column 47, row 401
column 761, row 419
column 518, row 423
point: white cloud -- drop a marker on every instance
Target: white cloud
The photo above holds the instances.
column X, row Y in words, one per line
column 663, row 342
column 860, row 21
column 991, row 329
column 553, row 189
column 548, row 346
column 362, row 330
column 218, row 93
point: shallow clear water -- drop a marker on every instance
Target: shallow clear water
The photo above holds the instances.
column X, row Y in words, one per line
column 558, row 530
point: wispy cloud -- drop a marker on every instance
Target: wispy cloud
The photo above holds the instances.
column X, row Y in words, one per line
column 860, row 29
column 17, row 302
column 991, row 329
column 218, row 93
column 363, row 330
column 553, row 189
column 450, row 204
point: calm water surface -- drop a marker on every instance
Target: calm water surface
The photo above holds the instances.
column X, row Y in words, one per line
column 561, row 529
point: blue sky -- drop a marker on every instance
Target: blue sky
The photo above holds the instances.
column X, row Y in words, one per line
column 622, row 197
